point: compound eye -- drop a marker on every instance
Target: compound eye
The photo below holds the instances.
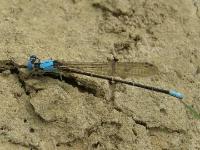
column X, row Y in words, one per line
column 33, row 58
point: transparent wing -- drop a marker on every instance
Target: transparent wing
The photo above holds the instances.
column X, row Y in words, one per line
column 135, row 69
column 120, row 69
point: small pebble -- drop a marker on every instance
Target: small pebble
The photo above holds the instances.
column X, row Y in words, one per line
column 198, row 70
column 6, row 73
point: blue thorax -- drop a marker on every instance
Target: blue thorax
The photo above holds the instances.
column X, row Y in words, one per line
column 47, row 65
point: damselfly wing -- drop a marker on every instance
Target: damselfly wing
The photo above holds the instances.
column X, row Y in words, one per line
column 120, row 69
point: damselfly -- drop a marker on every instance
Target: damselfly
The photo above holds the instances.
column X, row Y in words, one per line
column 107, row 71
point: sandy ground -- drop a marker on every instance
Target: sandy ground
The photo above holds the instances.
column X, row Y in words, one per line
column 47, row 114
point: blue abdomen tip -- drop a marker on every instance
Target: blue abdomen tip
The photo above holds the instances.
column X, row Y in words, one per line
column 176, row 94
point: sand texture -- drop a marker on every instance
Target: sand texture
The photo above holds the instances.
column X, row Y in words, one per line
column 78, row 112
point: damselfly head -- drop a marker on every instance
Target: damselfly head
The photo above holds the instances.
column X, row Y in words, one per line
column 33, row 58
column 32, row 61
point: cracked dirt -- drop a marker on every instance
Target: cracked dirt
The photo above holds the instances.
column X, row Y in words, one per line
column 44, row 112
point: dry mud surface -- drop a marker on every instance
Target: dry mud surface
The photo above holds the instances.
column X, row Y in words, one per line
column 47, row 114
